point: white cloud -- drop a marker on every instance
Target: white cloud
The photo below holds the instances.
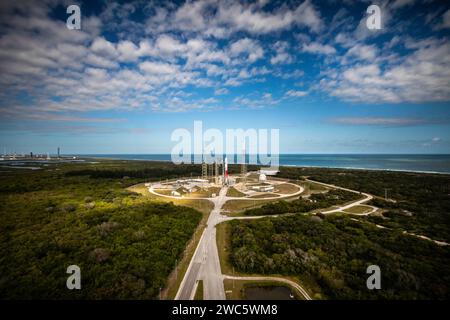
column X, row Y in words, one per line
column 423, row 75
column 365, row 73
column 402, row 3
column 296, row 93
column 282, row 55
column 169, row 45
column 445, row 20
column 103, row 47
column 362, row 52
column 249, row 47
column 180, row 48
column 255, row 102
column 220, row 91
column 223, row 18
column 254, row 20
column 128, row 51
column 99, row 61
column 316, row 47
column 158, row 67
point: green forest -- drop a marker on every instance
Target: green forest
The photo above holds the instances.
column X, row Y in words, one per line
column 126, row 244
column 333, row 253
column 421, row 201
column 81, row 214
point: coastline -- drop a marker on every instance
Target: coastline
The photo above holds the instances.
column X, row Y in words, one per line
column 285, row 165
column 369, row 169
column 118, row 157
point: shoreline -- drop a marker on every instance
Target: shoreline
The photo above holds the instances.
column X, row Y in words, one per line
column 81, row 158
column 292, row 166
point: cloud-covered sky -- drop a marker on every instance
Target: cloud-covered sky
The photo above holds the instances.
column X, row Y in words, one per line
column 138, row 70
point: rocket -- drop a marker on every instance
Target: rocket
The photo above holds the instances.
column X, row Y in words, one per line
column 226, row 170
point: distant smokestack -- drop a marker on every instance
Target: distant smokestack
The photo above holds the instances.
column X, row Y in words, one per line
column 58, row 152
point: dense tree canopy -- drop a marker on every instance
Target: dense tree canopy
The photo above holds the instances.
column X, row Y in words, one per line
column 335, row 251
column 125, row 245
column 422, row 200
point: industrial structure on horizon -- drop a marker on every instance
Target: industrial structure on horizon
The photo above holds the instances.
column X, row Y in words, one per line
column 33, row 156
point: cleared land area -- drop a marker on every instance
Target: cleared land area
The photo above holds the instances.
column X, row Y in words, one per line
column 232, row 192
column 286, row 188
column 359, row 209
column 264, row 195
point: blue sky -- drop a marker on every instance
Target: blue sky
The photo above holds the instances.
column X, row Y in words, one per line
column 138, row 70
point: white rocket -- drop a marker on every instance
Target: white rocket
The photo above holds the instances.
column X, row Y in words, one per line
column 226, row 170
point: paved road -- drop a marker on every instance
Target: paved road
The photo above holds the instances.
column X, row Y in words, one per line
column 366, row 198
column 440, row 243
column 211, row 274
column 205, row 263
column 206, row 256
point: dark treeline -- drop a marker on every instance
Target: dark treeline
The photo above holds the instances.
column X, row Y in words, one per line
column 315, row 201
column 334, row 252
column 169, row 172
column 150, row 171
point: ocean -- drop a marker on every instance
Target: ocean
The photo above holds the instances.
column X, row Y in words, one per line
column 436, row 163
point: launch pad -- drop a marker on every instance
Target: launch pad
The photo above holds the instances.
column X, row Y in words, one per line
column 251, row 185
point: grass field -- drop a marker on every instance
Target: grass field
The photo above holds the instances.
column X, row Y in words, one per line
column 311, row 188
column 265, row 195
column 232, row 192
column 222, row 238
column 358, row 209
column 236, row 207
column 199, row 292
column 286, row 188
column 164, row 192
column 205, row 192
